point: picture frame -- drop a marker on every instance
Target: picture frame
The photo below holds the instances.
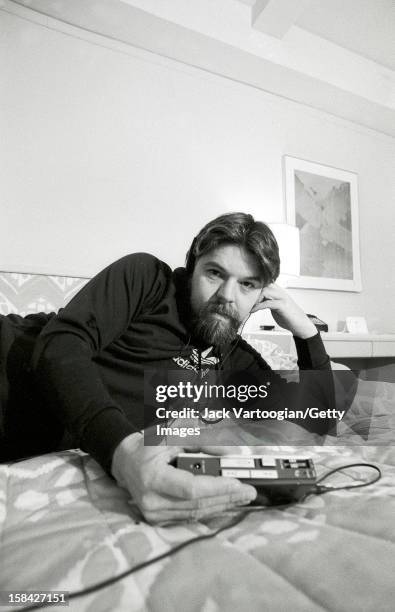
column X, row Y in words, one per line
column 322, row 202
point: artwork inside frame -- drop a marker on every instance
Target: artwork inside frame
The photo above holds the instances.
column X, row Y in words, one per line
column 323, row 203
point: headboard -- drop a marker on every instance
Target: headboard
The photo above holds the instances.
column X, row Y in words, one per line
column 28, row 293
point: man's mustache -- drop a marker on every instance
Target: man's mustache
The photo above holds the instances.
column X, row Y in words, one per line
column 222, row 309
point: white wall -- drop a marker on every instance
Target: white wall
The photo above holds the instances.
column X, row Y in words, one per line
column 109, row 151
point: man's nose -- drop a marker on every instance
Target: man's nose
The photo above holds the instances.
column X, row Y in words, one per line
column 226, row 291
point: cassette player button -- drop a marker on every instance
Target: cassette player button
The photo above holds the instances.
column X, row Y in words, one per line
column 301, row 473
column 229, row 473
column 237, row 462
column 268, row 461
column 264, row 473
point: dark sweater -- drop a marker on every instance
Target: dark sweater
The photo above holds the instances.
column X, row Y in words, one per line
column 89, row 360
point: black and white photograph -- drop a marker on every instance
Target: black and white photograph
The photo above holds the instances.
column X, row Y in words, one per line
column 197, row 297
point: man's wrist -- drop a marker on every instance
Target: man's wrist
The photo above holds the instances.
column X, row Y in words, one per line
column 311, row 353
column 103, row 433
column 306, row 331
column 125, row 448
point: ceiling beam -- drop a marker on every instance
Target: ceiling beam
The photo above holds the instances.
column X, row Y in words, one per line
column 120, row 22
column 276, row 17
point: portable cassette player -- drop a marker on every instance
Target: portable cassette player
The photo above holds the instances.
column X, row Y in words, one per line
column 277, row 479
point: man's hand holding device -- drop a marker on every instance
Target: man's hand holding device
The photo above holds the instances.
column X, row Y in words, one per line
column 165, row 493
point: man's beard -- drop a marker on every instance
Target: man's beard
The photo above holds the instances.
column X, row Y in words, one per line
column 213, row 329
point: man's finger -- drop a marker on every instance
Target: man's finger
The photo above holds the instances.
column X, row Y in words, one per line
column 266, row 304
column 196, row 514
column 157, row 502
column 273, row 291
column 184, row 485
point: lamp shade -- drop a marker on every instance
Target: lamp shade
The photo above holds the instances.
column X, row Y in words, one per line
column 287, row 237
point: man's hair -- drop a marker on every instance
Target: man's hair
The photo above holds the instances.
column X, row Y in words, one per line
column 242, row 230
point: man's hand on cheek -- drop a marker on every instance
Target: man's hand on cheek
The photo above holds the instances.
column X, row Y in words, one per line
column 285, row 311
column 165, row 493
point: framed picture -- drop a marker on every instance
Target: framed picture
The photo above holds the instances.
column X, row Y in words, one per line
column 323, row 203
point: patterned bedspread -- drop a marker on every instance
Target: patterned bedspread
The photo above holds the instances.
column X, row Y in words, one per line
column 65, row 525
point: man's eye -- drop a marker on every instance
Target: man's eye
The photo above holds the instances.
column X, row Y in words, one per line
column 248, row 285
column 213, row 272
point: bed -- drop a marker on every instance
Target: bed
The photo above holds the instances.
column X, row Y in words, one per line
column 65, row 526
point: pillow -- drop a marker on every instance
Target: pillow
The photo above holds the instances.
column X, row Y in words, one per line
column 273, row 354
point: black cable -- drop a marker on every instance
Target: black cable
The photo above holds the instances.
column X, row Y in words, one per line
column 326, row 489
column 105, row 583
column 144, row 564
column 240, row 517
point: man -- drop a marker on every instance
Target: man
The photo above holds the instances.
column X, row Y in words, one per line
column 89, row 360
